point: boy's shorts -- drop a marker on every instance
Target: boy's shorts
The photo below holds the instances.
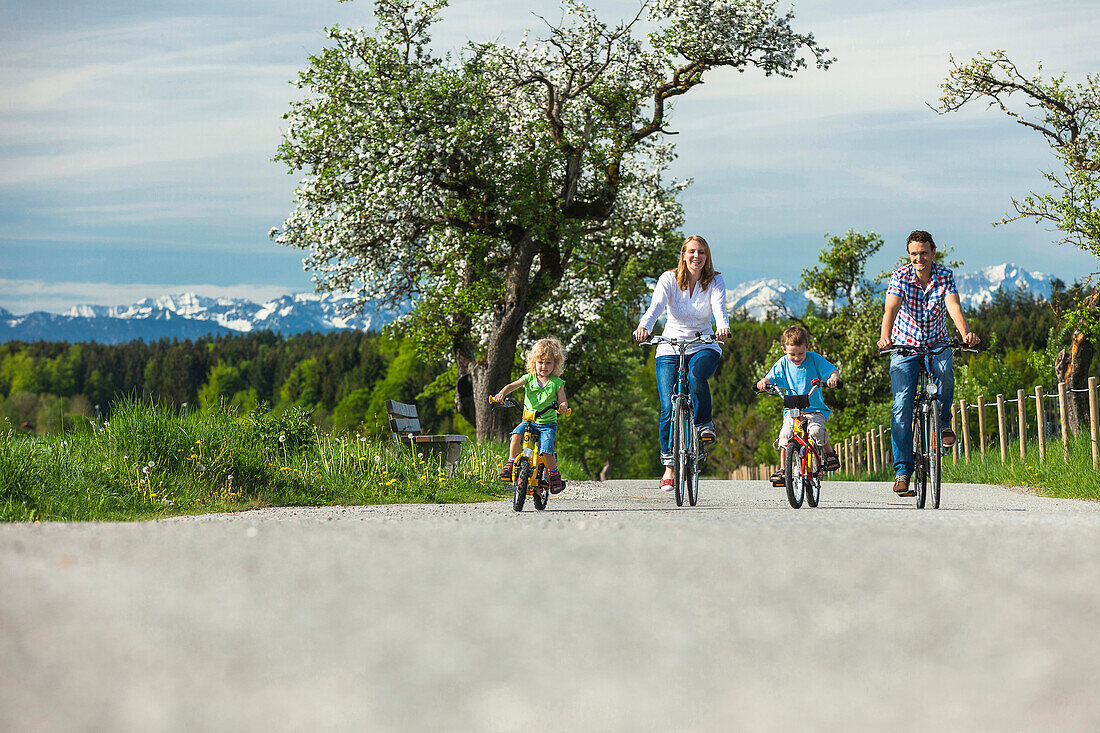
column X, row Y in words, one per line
column 546, row 433
column 815, row 425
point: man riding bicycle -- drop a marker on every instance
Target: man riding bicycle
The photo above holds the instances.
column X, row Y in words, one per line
column 918, row 297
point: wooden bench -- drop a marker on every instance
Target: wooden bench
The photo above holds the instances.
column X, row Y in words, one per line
column 405, row 424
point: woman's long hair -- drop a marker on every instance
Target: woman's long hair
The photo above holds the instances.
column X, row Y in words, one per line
column 682, row 278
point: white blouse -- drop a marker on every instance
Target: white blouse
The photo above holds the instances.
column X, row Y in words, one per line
column 688, row 313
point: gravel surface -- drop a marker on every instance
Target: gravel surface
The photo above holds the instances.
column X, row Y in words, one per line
column 612, row 610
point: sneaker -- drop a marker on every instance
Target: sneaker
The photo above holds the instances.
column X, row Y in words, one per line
column 556, row 484
column 901, row 486
column 778, row 478
column 506, row 472
column 832, row 462
column 666, row 484
column 707, row 434
column 947, row 437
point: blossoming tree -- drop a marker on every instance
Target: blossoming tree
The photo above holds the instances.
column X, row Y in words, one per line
column 506, row 182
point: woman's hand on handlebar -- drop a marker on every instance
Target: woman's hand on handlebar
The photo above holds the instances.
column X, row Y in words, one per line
column 722, row 334
column 641, row 334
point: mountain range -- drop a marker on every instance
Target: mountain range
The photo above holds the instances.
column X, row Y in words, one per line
column 190, row 316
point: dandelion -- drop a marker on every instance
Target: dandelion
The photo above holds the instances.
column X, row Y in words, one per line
column 145, row 470
column 151, row 464
column 282, row 437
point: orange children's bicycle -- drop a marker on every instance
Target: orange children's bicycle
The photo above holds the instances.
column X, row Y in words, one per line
column 804, row 462
column 529, row 473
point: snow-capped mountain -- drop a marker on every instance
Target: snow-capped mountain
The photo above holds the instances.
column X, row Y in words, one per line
column 188, row 315
column 978, row 287
column 766, row 296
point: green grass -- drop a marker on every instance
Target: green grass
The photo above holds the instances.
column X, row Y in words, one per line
column 1055, row 477
column 148, row 462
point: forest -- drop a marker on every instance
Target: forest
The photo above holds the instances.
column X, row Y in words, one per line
column 343, row 379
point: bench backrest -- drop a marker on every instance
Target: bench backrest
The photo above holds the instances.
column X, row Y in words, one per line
column 404, row 419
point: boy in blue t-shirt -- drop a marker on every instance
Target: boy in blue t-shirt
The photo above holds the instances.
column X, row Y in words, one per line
column 795, row 372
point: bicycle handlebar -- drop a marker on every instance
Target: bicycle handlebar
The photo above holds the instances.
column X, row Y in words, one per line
column 932, row 350
column 697, row 339
column 511, row 402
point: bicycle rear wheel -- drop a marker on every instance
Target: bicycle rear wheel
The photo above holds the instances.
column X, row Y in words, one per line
column 934, row 454
column 542, row 492
column 693, row 461
column 811, row 478
column 796, row 491
column 521, row 474
column 919, row 481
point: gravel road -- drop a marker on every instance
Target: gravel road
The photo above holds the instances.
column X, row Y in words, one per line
column 612, row 611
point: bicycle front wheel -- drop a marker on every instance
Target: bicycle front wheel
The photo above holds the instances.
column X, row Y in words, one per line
column 934, row 454
column 542, row 492
column 796, row 491
column 693, row 461
column 677, row 451
column 919, row 481
column 521, row 475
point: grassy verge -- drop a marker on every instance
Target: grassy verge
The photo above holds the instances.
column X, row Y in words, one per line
column 148, row 462
column 1056, row 477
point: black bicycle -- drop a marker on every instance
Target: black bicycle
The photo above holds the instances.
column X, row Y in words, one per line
column 688, row 451
column 927, row 442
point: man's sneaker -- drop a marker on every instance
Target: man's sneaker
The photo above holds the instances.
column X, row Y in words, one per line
column 901, row 486
column 947, row 437
column 707, row 434
column 506, row 472
column 556, row 484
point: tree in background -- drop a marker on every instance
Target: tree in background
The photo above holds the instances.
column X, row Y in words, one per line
column 1068, row 116
column 507, row 180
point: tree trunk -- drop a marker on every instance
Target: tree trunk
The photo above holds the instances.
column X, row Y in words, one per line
column 489, row 375
column 1074, row 371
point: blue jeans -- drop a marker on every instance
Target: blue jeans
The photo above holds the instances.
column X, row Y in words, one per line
column 700, row 367
column 903, row 383
column 545, row 433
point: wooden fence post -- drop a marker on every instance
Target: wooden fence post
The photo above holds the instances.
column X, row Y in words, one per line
column 1065, row 422
column 882, row 447
column 981, row 424
column 965, row 430
column 1039, row 418
column 955, row 429
column 1094, row 423
column 1001, row 427
column 871, row 450
column 1022, row 397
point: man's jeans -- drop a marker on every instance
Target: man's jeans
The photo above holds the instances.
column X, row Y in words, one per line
column 903, row 383
column 701, row 367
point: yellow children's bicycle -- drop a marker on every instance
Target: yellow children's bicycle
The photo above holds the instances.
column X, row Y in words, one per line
column 529, row 473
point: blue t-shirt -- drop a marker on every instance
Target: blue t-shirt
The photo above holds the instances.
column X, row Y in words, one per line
column 797, row 378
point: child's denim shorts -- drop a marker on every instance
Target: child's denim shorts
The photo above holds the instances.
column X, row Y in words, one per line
column 545, row 432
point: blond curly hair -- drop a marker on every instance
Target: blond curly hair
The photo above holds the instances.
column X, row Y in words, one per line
column 547, row 349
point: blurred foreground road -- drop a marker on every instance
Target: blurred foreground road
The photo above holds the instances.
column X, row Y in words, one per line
column 612, row 611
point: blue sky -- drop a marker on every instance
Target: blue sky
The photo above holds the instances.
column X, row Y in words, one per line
column 136, row 140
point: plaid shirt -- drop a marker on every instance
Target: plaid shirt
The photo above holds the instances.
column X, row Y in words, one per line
column 920, row 320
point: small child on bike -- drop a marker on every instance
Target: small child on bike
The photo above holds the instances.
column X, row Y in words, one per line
column 794, row 372
column 541, row 386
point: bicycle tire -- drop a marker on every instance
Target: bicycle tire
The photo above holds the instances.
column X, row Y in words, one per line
column 521, row 475
column 935, row 455
column 677, row 451
column 811, row 476
column 541, row 494
column 793, row 477
column 691, row 458
column 920, row 468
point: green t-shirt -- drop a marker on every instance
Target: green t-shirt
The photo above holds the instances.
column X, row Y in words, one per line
column 535, row 397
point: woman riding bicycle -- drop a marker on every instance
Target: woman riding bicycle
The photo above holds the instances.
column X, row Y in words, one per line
column 691, row 295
